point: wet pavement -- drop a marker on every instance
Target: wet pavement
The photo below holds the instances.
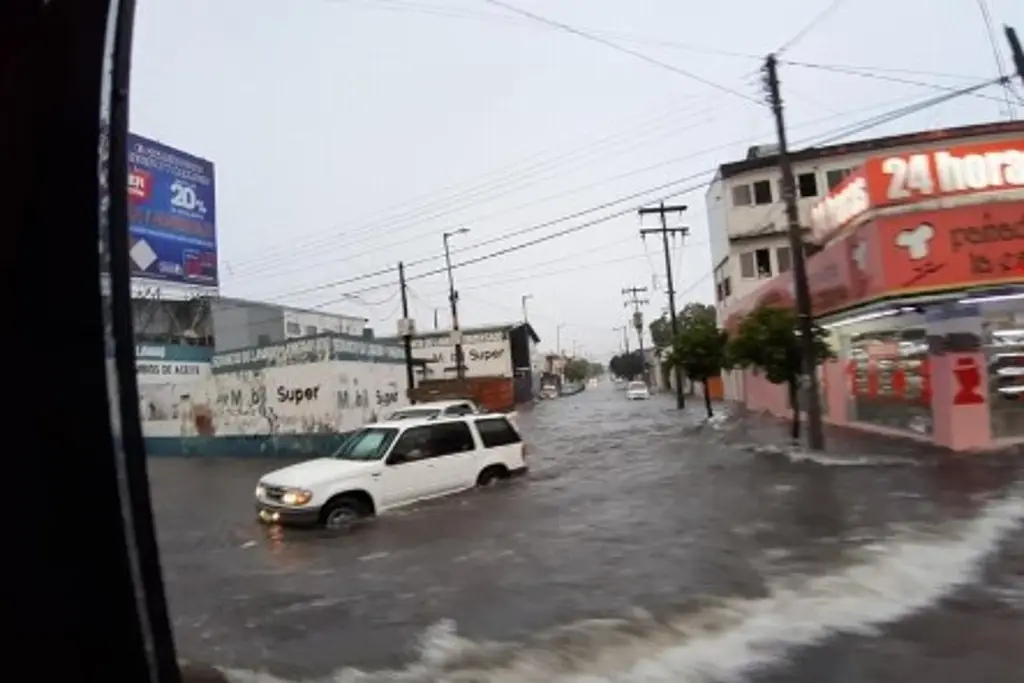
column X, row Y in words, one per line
column 645, row 545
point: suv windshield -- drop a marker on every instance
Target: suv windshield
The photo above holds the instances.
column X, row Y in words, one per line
column 637, row 385
column 366, row 444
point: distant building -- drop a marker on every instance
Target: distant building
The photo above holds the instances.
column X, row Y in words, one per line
column 501, row 350
column 238, row 323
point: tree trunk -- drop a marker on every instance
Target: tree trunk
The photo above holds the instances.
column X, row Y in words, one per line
column 707, row 398
column 794, row 400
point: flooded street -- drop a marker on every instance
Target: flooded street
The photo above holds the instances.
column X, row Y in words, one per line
column 644, row 545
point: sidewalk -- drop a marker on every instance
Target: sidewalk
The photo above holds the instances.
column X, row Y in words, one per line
column 763, row 430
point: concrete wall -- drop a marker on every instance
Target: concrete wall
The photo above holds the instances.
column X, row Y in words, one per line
column 241, row 324
column 485, row 354
column 295, row 398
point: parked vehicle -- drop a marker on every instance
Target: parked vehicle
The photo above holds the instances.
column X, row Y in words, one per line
column 390, row 465
column 637, row 391
column 438, row 409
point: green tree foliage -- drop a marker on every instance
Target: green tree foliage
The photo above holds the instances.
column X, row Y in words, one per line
column 627, row 365
column 661, row 332
column 577, row 370
column 767, row 340
column 596, row 369
column 699, row 349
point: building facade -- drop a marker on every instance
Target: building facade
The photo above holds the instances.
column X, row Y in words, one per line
column 239, row 324
column 504, row 350
column 920, row 279
column 746, row 213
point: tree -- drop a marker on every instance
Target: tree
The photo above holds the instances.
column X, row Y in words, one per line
column 577, row 370
column 627, row 365
column 767, row 340
column 661, row 332
column 699, row 350
column 596, row 369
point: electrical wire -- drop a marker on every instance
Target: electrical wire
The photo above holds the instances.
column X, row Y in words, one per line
column 810, row 26
column 990, row 30
column 880, row 77
column 904, row 111
column 615, row 46
column 518, row 175
column 423, row 219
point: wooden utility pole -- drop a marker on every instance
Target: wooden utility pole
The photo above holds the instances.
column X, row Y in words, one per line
column 406, row 329
column 815, row 430
column 665, row 232
column 633, row 299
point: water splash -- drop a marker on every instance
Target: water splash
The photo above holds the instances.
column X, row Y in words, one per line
column 724, row 641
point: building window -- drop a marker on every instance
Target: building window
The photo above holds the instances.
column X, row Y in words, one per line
column 785, row 259
column 890, row 378
column 747, row 271
column 807, row 184
column 741, row 195
column 727, row 286
column 836, row 176
column 293, row 329
column 763, row 260
column 719, row 293
column 1003, row 338
column 310, row 330
column 763, row 192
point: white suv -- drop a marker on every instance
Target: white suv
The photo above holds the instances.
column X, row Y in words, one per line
column 390, row 465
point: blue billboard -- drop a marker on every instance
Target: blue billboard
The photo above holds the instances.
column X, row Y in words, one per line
column 171, row 214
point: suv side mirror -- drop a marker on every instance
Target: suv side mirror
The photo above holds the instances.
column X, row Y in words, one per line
column 395, row 459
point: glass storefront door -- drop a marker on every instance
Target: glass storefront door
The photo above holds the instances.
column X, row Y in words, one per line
column 1003, row 339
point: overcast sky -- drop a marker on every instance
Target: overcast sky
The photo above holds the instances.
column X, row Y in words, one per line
column 348, row 135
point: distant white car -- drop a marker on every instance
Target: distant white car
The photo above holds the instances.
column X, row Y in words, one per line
column 637, row 391
column 392, row 465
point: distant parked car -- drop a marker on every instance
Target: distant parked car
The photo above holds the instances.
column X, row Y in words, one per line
column 637, row 391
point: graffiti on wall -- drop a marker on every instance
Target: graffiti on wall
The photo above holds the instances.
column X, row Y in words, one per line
column 485, row 354
column 315, row 398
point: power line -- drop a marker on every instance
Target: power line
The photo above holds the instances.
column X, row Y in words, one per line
column 811, row 25
column 990, row 30
column 904, row 111
column 516, row 176
column 849, row 71
column 615, row 46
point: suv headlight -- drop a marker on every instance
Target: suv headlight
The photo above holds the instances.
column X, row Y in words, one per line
column 296, row 497
column 261, row 491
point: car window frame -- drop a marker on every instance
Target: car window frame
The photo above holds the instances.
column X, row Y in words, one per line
column 496, row 418
column 430, row 427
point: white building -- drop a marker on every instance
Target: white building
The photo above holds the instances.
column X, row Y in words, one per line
column 746, row 214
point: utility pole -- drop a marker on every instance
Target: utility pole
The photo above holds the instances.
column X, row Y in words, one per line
column 525, row 298
column 453, row 298
column 633, row 299
column 625, row 337
column 435, row 317
column 665, row 232
column 558, row 339
column 815, row 431
column 1015, row 51
column 406, row 329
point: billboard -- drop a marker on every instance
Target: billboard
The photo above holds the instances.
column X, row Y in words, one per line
column 171, row 214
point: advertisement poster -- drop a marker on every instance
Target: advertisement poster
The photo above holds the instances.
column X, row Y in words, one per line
column 172, row 214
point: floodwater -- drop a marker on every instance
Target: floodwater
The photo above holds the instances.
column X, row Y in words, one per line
column 646, row 545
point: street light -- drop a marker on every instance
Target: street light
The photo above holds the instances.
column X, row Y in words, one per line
column 526, row 297
column 453, row 298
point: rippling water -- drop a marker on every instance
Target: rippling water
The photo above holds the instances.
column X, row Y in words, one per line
column 647, row 545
